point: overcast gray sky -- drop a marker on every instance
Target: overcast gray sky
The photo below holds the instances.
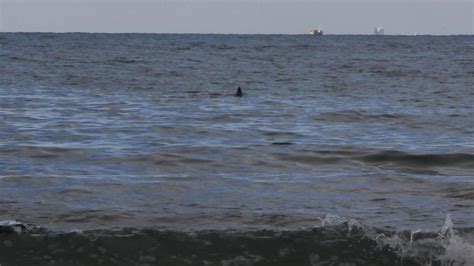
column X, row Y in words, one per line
column 238, row 16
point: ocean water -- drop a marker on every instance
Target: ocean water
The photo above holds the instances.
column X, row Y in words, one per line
column 132, row 149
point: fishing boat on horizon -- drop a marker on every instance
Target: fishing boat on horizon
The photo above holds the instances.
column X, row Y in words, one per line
column 379, row 31
column 316, row 32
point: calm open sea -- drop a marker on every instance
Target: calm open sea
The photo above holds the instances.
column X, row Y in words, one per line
column 132, row 149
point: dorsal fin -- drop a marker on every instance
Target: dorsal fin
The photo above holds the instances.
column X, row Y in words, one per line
column 239, row 92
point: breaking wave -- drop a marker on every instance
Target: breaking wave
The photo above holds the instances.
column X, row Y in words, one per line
column 334, row 242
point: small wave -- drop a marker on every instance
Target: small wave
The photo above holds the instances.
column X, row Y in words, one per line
column 310, row 159
column 383, row 158
column 24, row 59
column 282, row 143
column 301, row 46
column 164, row 159
column 419, row 160
column 395, row 73
column 336, row 241
column 40, row 152
column 356, row 116
column 279, row 134
column 458, row 190
column 123, row 60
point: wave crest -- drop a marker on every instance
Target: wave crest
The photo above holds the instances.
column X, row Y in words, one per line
column 338, row 240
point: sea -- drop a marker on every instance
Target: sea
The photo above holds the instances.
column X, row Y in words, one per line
column 132, row 149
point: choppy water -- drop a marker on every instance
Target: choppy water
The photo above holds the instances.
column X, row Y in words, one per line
column 133, row 132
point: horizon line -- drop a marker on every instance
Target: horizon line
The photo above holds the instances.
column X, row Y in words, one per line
column 230, row 33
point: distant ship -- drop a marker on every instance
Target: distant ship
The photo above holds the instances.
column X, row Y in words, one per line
column 379, row 31
column 318, row 31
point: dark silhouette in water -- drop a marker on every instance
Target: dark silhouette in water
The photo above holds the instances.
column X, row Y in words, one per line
column 239, row 93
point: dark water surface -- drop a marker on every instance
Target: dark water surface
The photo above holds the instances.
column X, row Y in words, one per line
column 140, row 135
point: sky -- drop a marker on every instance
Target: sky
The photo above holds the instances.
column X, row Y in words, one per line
column 437, row 17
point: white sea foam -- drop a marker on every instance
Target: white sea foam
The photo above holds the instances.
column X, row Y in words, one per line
column 332, row 219
column 448, row 248
column 9, row 223
column 16, row 226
